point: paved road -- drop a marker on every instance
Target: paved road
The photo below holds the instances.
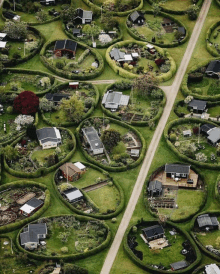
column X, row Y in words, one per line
column 171, row 93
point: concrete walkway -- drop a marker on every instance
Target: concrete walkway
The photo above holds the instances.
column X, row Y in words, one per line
column 171, row 93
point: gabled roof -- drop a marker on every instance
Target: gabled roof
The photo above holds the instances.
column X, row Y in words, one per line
column 56, row 97
column 214, row 135
column 114, row 99
column 154, row 186
column 206, row 220
column 92, row 138
column 135, row 15
column 84, row 14
column 214, row 66
column 153, row 231
column 212, row 269
column 116, row 54
column 48, row 134
column 182, row 30
column 70, row 169
column 198, row 104
column 65, row 44
column 34, row 202
column 73, row 194
column 32, row 233
column 8, row 14
column 177, row 168
column 206, row 128
column 179, row 265
column 79, row 165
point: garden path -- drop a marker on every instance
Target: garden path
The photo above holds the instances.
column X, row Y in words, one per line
column 171, row 93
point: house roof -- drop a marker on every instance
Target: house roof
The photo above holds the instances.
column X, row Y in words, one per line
column 135, row 15
column 179, row 265
column 198, row 104
column 47, row 134
column 114, row 99
column 31, row 233
column 56, row 97
column 206, row 220
column 214, row 135
column 9, row 15
column 65, row 44
column 2, row 35
column 76, row 31
column 70, row 169
column 92, row 138
column 154, row 186
column 212, row 269
column 177, row 168
column 214, row 66
column 84, row 14
column 206, row 128
column 116, row 54
column 2, row 44
column 31, row 205
column 73, row 194
column 80, row 165
column 153, row 231
column 182, row 30
column 187, row 132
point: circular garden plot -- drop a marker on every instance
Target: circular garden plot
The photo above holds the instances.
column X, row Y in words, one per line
column 162, row 30
column 89, row 190
column 69, row 103
column 120, row 101
column 131, row 59
column 21, row 202
column 213, row 39
column 160, row 248
column 111, row 144
column 175, row 6
column 65, row 237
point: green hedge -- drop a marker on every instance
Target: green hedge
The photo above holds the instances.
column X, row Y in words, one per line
column 19, row 184
column 210, row 48
column 94, row 215
column 71, row 256
column 109, row 168
column 118, row 13
column 68, row 124
column 170, row 45
column 135, row 123
column 14, row 62
column 217, row 195
column 126, row 74
column 151, row 269
column 181, row 156
column 184, row 87
column 68, row 75
column 43, row 170
column 218, row 2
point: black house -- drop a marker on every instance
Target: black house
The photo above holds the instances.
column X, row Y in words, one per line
column 76, row 32
column 177, row 171
column 213, row 69
column 179, row 265
column 155, row 188
column 65, row 47
column 153, row 232
column 206, row 128
column 137, row 17
column 83, row 16
column 56, row 97
column 207, row 222
column 197, row 106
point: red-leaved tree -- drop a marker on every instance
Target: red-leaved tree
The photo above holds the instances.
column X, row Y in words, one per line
column 26, row 103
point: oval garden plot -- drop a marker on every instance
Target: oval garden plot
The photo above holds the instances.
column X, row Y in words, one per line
column 88, row 189
column 175, row 6
column 176, row 191
column 213, row 39
column 160, row 30
column 122, row 102
column 64, row 237
column 69, row 103
column 110, row 144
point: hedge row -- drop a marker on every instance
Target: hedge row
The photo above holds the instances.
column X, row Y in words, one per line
column 118, row 13
column 210, row 48
column 94, row 215
column 135, row 123
column 218, row 2
column 179, row 12
column 151, row 269
column 71, row 256
column 43, row 170
column 20, row 184
column 14, row 62
column 126, row 74
column 217, row 194
column 68, row 75
column 37, row 72
column 170, row 125
column 184, row 87
column 109, row 168
column 170, row 45
column 68, row 124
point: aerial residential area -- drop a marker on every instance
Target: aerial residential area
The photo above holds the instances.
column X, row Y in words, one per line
column 109, row 136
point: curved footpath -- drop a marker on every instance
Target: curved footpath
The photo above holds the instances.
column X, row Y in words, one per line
column 171, row 93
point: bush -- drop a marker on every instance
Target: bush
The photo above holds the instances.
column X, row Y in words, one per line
column 173, row 137
column 64, row 249
column 9, row 110
column 114, row 220
column 60, row 64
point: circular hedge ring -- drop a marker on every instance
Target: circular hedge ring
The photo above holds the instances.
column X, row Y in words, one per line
column 213, row 34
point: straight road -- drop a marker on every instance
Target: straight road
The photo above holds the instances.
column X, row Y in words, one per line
column 171, row 93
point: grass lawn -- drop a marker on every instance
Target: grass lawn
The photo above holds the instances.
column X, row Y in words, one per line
column 176, row 4
column 208, row 86
column 214, row 111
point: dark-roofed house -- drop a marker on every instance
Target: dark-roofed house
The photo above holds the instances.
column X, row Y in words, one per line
column 56, row 97
column 155, row 188
column 177, row 171
column 153, row 232
column 65, row 47
column 73, row 195
column 179, row 265
column 76, row 32
column 31, row 235
column 115, row 99
column 197, row 106
column 182, row 30
column 31, row 206
column 83, row 16
column 71, row 171
column 137, row 17
column 206, row 128
column 207, row 222
column 214, row 136
column 213, row 69
column 49, row 137
column 11, row 16
column 91, row 137
column 116, row 54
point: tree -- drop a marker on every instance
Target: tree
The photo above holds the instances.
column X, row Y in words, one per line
column 110, row 138
column 201, row 157
column 91, row 30
column 73, row 108
column 42, row 16
column 74, row 269
column 68, row 15
column 31, row 132
column 26, row 102
column 156, row 9
column 145, row 84
column 188, row 99
column 51, row 160
column 46, row 105
column 108, row 21
column 15, row 30
column 10, row 152
column 192, row 12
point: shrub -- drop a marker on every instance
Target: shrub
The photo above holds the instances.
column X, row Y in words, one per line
column 201, row 157
column 64, row 249
column 134, row 229
column 60, row 64
column 114, row 220
column 173, row 137
column 26, row 103
column 9, row 110
column 16, row 55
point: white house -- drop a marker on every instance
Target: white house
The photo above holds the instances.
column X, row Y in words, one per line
column 92, row 138
column 49, row 137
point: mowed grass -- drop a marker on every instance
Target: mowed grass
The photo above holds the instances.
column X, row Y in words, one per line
column 177, row 4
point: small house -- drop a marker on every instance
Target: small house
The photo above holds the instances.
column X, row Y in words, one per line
column 3, row 36
column 48, row 137
column 2, row 44
column 137, row 17
column 12, row 16
column 179, row 265
column 48, row 2
column 197, row 106
column 116, row 54
column 83, row 16
column 114, row 100
column 214, row 136
column 153, row 232
column 31, row 206
column 182, row 30
column 74, row 85
column 212, row 269
column 206, row 128
column 91, row 137
column 76, row 32
column 56, row 97
column 151, row 49
column 135, row 56
column 207, row 222
column 177, row 171
column 73, row 194
column 155, row 188
column 31, row 236
column 65, row 47
column 187, row 133
column 135, row 153
column 80, row 166
column 213, row 69
column 71, row 171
